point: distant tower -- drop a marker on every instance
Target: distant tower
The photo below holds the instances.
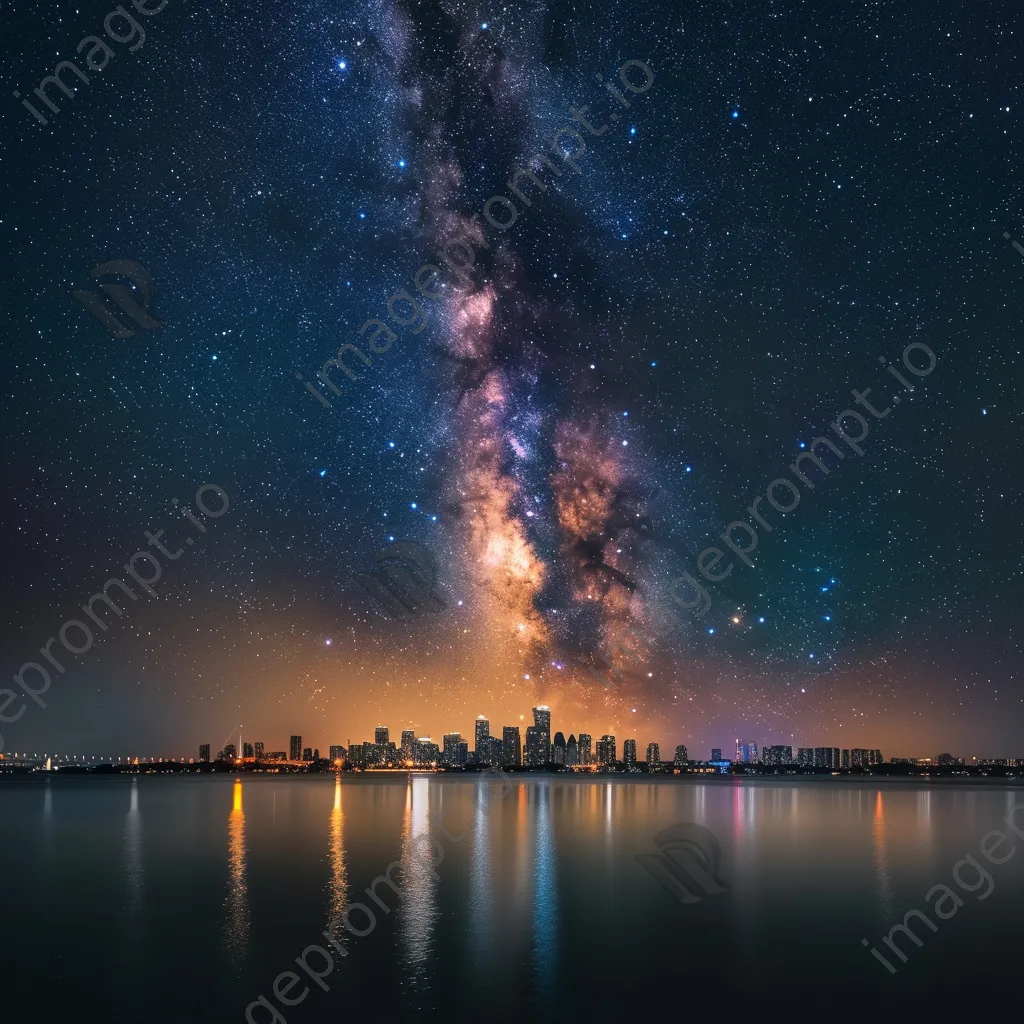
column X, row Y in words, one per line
column 247, row 750
column 380, row 736
column 204, row 751
column 512, row 747
column 482, row 744
column 542, row 722
column 558, row 750
column 572, row 751
column 295, row 749
column 716, row 754
column 606, row 750
column 258, row 745
column 408, row 739
column 629, row 754
column 653, row 757
column 585, row 748
column 307, row 754
column 229, row 751
column 681, row 758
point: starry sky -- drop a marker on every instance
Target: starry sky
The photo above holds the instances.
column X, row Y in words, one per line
column 803, row 190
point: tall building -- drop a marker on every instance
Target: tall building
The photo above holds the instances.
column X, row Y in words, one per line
column 259, row 750
column 558, row 749
column 307, row 754
column 408, row 739
column 858, row 758
column 535, row 752
column 680, row 759
column 247, row 750
column 316, row 753
column 462, row 752
column 653, row 757
column 229, row 751
column 586, row 751
column 716, row 754
column 337, row 752
column 295, row 749
column 844, row 759
column 876, row 757
column 511, row 746
column 450, row 748
column 542, row 720
column 777, row 755
column 204, row 751
column 629, row 754
column 572, row 751
column 425, row 750
column 746, row 750
column 380, row 736
column 805, row 756
column 606, row 750
column 496, row 753
column 482, row 746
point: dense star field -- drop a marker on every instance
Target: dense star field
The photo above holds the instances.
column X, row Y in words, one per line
column 715, row 222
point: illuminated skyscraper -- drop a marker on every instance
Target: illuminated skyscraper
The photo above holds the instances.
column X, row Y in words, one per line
column 805, row 756
column 629, row 754
column 307, row 754
column 204, row 751
column 450, row 748
column 653, row 757
column 558, row 749
column 408, row 739
column 606, row 750
column 247, row 750
column 746, row 750
column 496, row 750
column 337, row 752
column 542, row 718
column 572, row 751
column 511, row 746
column 586, row 751
column 229, row 751
column 680, row 760
column 482, row 746
column 259, row 750
column 777, row 755
column 535, row 747
column 716, row 754
column 424, row 750
column 380, row 736
column 844, row 759
column 295, row 749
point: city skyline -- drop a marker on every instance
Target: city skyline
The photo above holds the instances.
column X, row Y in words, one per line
column 478, row 748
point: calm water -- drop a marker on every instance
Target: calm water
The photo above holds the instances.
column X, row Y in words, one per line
column 182, row 899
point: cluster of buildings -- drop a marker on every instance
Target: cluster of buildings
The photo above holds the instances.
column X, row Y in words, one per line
column 507, row 750
column 541, row 750
column 806, row 757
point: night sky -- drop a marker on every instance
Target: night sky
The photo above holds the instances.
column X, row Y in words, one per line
column 803, row 190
